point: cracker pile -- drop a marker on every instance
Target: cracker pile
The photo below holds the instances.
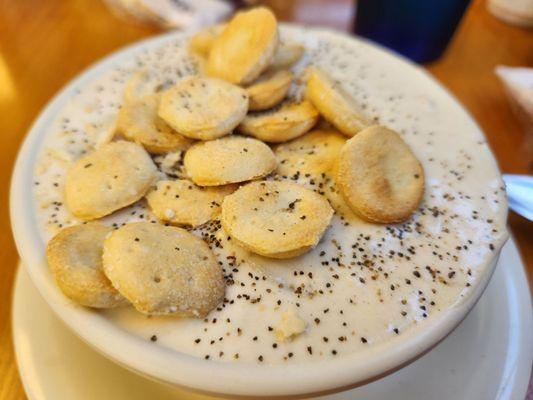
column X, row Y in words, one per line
column 225, row 122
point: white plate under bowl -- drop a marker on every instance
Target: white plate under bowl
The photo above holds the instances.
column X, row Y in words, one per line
column 488, row 356
column 180, row 369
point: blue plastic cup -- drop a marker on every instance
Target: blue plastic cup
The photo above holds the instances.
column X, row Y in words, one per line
column 418, row 29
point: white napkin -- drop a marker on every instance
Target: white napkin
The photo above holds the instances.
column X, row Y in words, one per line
column 171, row 14
column 515, row 12
column 519, row 85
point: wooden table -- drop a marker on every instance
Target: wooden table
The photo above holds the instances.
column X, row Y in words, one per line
column 44, row 44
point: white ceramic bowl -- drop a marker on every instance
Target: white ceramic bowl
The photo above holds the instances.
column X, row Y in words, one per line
column 176, row 368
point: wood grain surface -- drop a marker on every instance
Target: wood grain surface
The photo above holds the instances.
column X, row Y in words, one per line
column 44, row 44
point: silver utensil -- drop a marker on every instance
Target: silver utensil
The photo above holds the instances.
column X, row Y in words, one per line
column 520, row 194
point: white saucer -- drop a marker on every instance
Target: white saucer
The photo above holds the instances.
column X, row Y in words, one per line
column 489, row 356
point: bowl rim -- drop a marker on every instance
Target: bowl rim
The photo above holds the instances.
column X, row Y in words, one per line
column 160, row 363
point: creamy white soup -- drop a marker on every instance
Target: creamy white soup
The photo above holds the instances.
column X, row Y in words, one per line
column 364, row 284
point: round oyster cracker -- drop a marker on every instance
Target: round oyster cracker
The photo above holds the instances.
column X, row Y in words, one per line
column 112, row 177
column 181, row 202
column 202, row 41
column 228, row 160
column 138, row 121
column 276, row 219
column 335, row 104
column 379, row 176
column 163, row 270
column 314, row 153
column 75, row 258
column 269, row 90
column 203, row 108
column 287, row 122
column 245, row 47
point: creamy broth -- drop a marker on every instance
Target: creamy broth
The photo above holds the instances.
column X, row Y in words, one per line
column 364, row 284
